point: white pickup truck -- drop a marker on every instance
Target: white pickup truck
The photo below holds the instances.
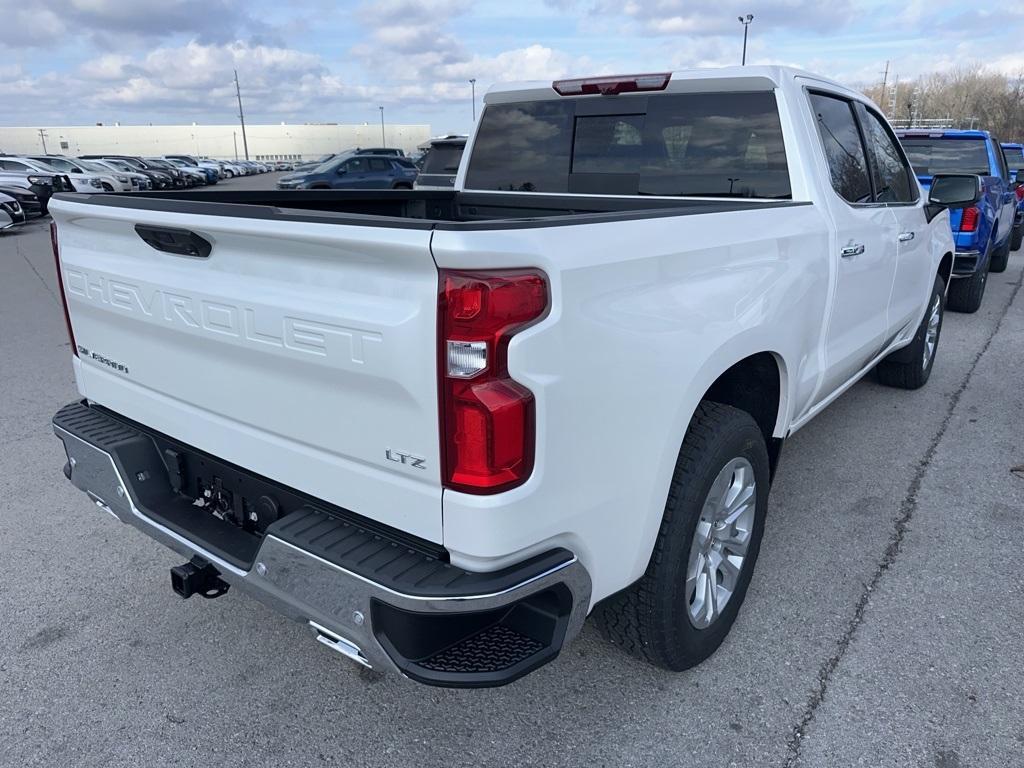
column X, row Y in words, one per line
column 443, row 427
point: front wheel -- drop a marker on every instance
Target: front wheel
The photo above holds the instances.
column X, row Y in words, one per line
column 682, row 608
column 1017, row 237
column 911, row 366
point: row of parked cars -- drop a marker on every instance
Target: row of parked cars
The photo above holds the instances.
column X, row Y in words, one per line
column 27, row 182
column 984, row 233
column 381, row 168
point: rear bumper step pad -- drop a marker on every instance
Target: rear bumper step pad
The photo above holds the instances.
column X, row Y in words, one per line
column 360, row 586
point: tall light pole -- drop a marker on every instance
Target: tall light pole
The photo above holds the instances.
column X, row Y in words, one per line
column 42, row 138
column 472, row 84
column 241, row 116
column 745, row 21
column 383, row 141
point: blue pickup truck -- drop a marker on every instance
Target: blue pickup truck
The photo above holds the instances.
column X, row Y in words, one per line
column 1014, row 156
column 983, row 233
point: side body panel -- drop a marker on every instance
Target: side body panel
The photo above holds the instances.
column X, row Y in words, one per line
column 646, row 314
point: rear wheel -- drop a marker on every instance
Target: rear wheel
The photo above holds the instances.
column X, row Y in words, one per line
column 966, row 293
column 682, row 608
column 910, row 367
column 1017, row 237
column 1001, row 257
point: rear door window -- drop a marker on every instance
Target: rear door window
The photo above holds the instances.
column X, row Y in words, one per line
column 380, row 165
column 707, row 144
column 356, row 165
column 840, row 138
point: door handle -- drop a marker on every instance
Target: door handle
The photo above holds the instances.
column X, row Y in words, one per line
column 905, row 237
column 852, row 250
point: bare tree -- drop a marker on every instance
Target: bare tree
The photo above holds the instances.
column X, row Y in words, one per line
column 966, row 96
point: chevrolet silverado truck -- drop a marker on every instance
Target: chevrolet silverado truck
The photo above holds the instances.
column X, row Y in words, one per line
column 983, row 232
column 440, row 428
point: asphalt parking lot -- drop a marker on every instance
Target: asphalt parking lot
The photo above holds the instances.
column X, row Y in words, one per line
column 883, row 626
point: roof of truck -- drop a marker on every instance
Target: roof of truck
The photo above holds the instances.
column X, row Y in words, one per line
column 1011, row 145
column 942, row 133
column 760, row 76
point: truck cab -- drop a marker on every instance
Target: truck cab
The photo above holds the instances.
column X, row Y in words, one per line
column 982, row 232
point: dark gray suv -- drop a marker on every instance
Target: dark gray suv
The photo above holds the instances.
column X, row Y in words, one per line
column 354, row 171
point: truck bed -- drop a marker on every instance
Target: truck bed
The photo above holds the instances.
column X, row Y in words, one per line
column 424, row 209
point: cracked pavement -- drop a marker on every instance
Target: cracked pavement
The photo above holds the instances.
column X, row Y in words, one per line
column 883, row 626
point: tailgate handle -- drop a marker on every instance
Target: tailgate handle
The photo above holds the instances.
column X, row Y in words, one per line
column 180, row 242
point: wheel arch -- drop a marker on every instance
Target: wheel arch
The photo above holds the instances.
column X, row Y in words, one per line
column 946, row 267
column 756, row 384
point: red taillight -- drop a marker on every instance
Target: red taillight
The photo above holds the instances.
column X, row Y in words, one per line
column 969, row 220
column 609, row 86
column 1020, row 192
column 487, row 418
column 60, row 286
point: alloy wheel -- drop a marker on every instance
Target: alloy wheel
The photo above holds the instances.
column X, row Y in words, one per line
column 719, row 549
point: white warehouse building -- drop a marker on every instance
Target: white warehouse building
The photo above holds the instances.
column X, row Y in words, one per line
column 266, row 142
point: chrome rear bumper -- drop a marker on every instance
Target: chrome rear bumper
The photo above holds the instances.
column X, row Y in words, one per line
column 366, row 621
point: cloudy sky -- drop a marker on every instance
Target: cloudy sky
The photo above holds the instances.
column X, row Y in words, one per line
column 170, row 61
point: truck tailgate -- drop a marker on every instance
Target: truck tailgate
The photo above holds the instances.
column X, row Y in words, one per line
column 304, row 352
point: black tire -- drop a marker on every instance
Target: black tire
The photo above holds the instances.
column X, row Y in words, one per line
column 907, row 368
column 650, row 619
column 402, row 186
column 107, row 187
column 1017, row 238
column 966, row 293
column 1000, row 257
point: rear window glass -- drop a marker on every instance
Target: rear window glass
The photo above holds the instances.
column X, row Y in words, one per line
column 708, row 144
column 1014, row 157
column 443, row 158
column 931, row 156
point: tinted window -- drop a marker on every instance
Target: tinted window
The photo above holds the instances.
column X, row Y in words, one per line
column 1000, row 160
column 356, row 165
column 379, row 164
column 443, row 158
column 709, row 144
column 14, row 165
column 608, row 144
column 1014, row 157
column 523, row 147
column 891, row 174
column 843, row 148
column 931, row 156
column 56, row 162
